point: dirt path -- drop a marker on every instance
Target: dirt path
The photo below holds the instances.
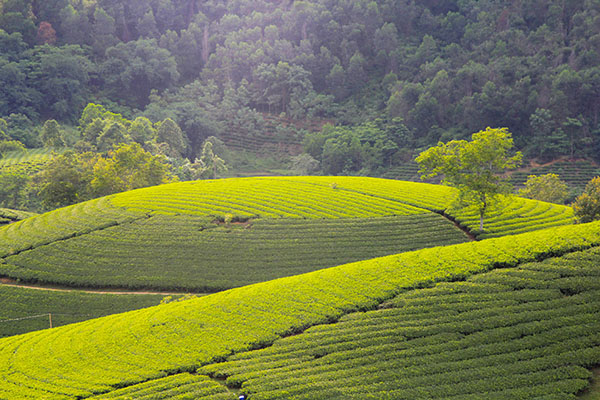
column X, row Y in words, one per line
column 12, row 283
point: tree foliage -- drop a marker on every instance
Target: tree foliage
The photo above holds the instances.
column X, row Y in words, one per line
column 210, row 164
column 74, row 177
column 7, row 146
column 51, row 134
column 13, row 189
column 473, row 167
column 366, row 147
column 456, row 66
column 587, row 206
column 546, row 187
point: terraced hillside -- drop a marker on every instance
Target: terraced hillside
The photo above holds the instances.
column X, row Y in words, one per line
column 8, row 216
column 24, row 310
column 495, row 335
column 524, row 332
column 28, row 162
column 575, row 173
column 207, row 236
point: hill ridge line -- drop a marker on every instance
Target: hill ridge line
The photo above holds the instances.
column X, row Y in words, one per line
column 10, row 282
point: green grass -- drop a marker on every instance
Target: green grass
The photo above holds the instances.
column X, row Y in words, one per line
column 197, row 254
column 25, row 310
column 100, row 355
column 525, row 332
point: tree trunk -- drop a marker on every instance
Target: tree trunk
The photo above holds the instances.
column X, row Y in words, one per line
column 482, row 212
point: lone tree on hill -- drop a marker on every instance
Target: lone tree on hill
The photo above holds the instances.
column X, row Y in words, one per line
column 473, row 167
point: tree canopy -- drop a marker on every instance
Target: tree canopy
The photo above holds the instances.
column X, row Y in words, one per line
column 587, row 206
column 473, row 167
column 446, row 68
column 73, row 177
column 546, row 187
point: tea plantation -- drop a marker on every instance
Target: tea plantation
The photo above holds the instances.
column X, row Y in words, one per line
column 24, row 310
column 326, row 329
column 192, row 253
column 27, row 162
column 207, row 236
column 526, row 331
column 8, row 216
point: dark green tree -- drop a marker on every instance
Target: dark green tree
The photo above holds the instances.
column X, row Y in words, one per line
column 132, row 70
column 587, row 206
column 211, row 163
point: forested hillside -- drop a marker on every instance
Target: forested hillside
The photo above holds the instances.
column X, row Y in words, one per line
column 399, row 75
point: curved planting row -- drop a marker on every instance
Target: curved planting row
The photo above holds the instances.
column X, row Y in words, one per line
column 8, row 216
column 262, row 197
column 62, row 224
column 423, row 195
column 183, row 386
column 527, row 332
column 24, row 310
column 27, row 162
column 100, row 355
column 515, row 215
column 576, row 174
column 17, row 157
column 200, row 254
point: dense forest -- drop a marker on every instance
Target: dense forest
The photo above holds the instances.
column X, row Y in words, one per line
column 391, row 76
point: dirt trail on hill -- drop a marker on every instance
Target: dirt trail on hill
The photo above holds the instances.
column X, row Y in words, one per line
column 12, row 283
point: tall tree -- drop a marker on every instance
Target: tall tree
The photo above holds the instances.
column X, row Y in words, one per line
column 473, row 167
column 13, row 189
column 103, row 32
column 132, row 70
column 170, row 133
column 61, row 75
column 51, row 134
column 212, row 163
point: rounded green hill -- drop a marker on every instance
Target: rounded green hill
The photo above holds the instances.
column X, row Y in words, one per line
column 207, row 236
column 528, row 312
